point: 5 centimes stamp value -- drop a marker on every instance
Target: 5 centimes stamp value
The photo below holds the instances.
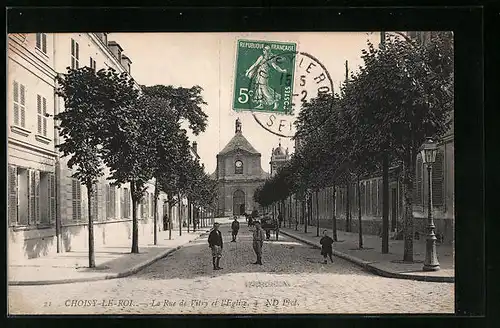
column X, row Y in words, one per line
column 263, row 77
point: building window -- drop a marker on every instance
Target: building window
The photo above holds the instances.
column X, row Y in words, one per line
column 92, row 63
column 41, row 108
column 238, row 167
column 438, row 180
column 362, row 195
column 47, row 198
column 418, row 184
column 110, row 202
column 76, row 198
column 152, row 202
column 41, row 42
column 380, row 197
column 75, row 54
column 94, row 203
column 125, row 203
column 19, row 104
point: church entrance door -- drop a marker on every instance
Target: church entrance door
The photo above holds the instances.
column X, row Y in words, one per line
column 238, row 202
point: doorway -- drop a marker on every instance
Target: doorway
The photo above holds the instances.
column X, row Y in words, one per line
column 238, row 202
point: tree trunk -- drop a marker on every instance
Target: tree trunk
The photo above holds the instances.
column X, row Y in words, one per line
column 290, row 212
column 155, row 214
column 334, row 227
column 408, row 176
column 385, row 203
column 296, row 213
column 135, row 227
column 189, row 214
column 317, row 214
column 304, row 203
column 360, row 229
column 347, row 208
column 179, row 205
column 90, row 192
column 170, row 214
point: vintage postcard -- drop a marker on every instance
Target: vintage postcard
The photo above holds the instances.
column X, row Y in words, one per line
column 230, row 173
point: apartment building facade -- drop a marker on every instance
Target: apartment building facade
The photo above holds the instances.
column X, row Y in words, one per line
column 47, row 207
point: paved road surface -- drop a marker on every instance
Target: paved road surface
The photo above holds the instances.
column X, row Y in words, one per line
column 292, row 280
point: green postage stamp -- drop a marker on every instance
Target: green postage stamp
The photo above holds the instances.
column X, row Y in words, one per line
column 264, row 76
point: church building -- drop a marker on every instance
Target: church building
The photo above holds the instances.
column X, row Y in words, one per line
column 239, row 173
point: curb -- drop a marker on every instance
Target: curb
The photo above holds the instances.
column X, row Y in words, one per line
column 122, row 274
column 369, row 266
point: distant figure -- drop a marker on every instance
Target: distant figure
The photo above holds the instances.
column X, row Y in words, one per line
column 215, row 243
column 258, row 241
column 280, row 218
column 235, row 227
column 326, row 246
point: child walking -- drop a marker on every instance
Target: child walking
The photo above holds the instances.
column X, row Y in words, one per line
column 326, row 247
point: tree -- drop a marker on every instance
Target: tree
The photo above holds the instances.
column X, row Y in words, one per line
column 184, row 104
column 411, row 87
column 88, row 95
column 128, row 152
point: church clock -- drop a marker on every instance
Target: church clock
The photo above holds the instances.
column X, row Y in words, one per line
column 238, row 167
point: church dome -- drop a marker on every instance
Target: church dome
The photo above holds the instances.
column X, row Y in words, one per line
column 279, row 151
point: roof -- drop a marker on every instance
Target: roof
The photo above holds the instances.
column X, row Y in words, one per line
column 239, row 142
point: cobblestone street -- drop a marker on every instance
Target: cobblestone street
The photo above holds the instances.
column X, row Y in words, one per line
column 293, row 279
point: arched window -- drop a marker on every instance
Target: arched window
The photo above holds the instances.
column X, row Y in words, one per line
column 238, row 167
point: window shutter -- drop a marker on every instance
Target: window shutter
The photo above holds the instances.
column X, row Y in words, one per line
column 44, row 117
column 368, row 198
column 44, row 43
column 94, row 203
column 122, row 202
column 31, row 197
column 74, row 199
column 22, row 92
column 37, row 197
column 12, row 210
column 39, row 113
column 362, row 194
column 419, row 183
column 16, row 103
column 152, row 202
column 79, row 199
column 39, row 40
column 438, row 180
column 108, row 201
column 52, row 197
column 113, row 202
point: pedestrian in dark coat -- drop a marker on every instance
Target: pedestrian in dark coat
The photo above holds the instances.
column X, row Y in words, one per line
column 326, row 246
column 235, row 227
column 216, row 244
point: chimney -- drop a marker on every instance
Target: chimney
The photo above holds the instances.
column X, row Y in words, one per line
column 115, row 49
column 126, row 62
column 195, row 147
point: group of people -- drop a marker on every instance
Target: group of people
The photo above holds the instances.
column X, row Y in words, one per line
column 216, row 243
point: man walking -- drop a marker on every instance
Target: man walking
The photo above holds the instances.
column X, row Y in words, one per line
column 216, row 244
column 235, row 227
column 258, row 241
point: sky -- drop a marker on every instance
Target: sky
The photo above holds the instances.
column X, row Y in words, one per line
column 208, row 60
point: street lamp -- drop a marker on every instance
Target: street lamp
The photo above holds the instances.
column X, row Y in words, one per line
column 428, row 150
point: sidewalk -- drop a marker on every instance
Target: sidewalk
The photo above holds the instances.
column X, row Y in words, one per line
column 111, row 262
column 387, row 265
